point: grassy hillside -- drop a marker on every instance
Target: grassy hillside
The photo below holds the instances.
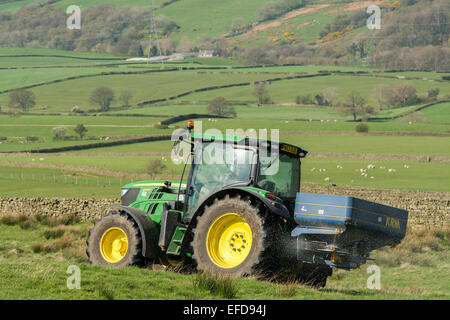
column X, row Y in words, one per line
column 36, row 268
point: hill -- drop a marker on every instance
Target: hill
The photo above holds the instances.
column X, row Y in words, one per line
column 254, row 31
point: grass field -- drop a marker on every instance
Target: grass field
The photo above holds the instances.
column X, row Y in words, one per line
column 34, row 267
column 439, row 113
column 64, row 95
column 287, row 90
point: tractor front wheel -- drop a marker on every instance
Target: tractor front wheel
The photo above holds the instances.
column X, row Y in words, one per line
column 115, row 241
column 229, row 238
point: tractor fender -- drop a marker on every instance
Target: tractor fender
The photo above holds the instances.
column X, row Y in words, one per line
column 148, row 229
column 274, row 207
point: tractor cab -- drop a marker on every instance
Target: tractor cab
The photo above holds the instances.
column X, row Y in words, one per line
column 224, row 162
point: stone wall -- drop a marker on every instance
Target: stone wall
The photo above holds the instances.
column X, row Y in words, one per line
column 86, row 209
column 429, row 208
column 425, row 208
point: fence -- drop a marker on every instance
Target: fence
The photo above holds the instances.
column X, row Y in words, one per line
column 67, row 179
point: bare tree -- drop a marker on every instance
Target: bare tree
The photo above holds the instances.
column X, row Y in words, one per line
column 260, row 91
column 125, row 97
column 155, row 167
column 330, row 95
column 404, row 94
column 59, row 132
column 185, row 45
column 22, row 100
column 354, row 104
column 103, row 97
column 382, row 94
column 221, row 107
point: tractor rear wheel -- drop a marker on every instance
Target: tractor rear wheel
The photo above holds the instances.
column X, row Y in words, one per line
column 115, row 241
column 229, row 238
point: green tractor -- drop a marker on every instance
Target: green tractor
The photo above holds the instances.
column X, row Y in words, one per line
column 234, row 217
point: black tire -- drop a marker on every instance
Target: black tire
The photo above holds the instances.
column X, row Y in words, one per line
column 246, row 211
column 120, row 220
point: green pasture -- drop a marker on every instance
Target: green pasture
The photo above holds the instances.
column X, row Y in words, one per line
column 248, row 112
column 292, row 112
column 17, row 129
column 43, row 275
column 285, row 91
column 55, row 52
column 340, row 172
column 194, row 17
column 363, row 144
column 117, row 3
column 127, row 165
column 18, row 78
column 64, row 95
column 47, row 62
column 438, row 113
column 145, row 147
column 18, row 181
column 290, row 126
column 408, row 175
column 16, row 5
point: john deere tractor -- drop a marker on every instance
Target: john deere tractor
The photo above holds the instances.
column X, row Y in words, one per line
column 240, row 212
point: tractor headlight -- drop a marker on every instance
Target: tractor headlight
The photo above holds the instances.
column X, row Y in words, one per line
column 124, row 191
column 128, row 196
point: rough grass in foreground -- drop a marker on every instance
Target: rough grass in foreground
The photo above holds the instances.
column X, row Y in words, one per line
column 36, row 268
column 217, row 285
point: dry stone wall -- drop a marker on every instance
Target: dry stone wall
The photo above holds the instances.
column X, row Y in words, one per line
column 425, row 208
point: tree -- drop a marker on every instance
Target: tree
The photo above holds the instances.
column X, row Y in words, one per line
column 260, row 91
column 125, row 97
column 59, row 132
column 319, row 99
column 184, row 46
column 22, row 100
column 140, row 52
column 433, row 94
column 404, row 94
column 167, row 47
column 382, row 94
column 154, row 51
column 362, row 127
column 306, row 99
column 103, row 97
column 155, row 167
column 330, row 95
column 235, row 24
column 354, row 104
column 221, row 107
column 80, row 130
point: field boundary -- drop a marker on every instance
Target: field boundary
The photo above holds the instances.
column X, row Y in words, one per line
column 424, row 106
column 96, row 145
column 148, row 102
column 372, row 156
column 425, row 208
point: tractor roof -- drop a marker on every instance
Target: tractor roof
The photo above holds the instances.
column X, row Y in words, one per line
column 284, row 147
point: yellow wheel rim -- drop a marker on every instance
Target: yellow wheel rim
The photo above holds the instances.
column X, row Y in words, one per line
column 229, row 240
column 113, row 245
